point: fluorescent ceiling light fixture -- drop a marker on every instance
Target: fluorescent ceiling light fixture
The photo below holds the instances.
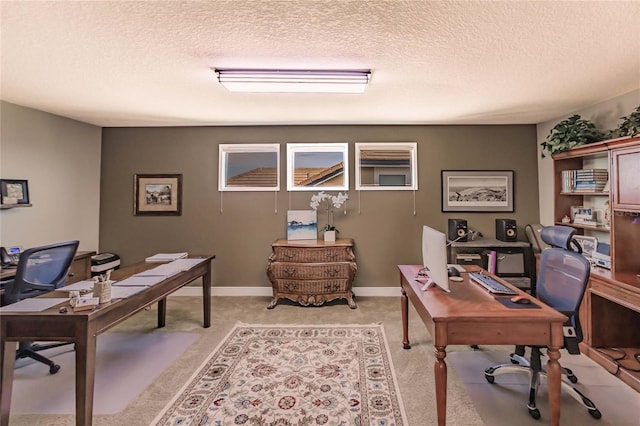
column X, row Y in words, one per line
column 294, row 81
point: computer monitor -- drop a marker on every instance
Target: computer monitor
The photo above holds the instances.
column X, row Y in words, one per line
column 434, row 258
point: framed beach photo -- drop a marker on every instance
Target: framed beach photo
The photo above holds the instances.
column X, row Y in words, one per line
column 302, row 225
column 477, row 191
column 157, row 195
column 14, row 191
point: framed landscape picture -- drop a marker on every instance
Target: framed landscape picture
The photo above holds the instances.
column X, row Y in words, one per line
column 477, row 191
column 158, row 195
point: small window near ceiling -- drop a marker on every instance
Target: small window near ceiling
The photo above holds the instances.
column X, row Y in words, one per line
column 386, row 166
column 317, row 166
column 249, row 167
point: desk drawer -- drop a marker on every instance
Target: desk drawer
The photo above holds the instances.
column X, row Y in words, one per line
column 80, row 270
column 312, row 255
column 312, row 271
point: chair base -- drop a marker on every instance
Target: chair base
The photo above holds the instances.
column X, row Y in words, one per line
column 29, row 350
column 519, row 364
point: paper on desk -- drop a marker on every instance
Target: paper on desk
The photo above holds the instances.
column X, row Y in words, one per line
column 124, row 292
column 179, row 265
column 80, row 285
column 139, row 281
column 157, row 272
column 35, row 304
column 165, row 257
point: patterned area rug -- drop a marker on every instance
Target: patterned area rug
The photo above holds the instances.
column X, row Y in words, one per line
column 292, row 375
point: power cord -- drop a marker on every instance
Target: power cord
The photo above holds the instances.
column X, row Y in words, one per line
column 621, row 359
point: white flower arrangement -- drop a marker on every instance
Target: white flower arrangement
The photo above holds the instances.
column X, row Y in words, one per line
column 331, row 202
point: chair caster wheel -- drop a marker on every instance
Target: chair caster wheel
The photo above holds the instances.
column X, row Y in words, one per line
column 490, row 379
column 596, row 414
column 54, row 369
column 572, row 378
column 535, row 413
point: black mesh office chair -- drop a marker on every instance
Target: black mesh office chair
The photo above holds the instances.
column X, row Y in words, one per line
column 40, row 270
column 561, row 284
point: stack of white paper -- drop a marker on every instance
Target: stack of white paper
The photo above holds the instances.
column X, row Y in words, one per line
column 165, row 257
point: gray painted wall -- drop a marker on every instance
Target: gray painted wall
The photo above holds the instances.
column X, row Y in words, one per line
column 239, row 227
column 60, row 158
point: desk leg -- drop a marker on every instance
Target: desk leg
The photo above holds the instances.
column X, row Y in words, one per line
column 206, row 297
column 404, row 304
column 85, row 376
column 162, row 312
column 7, row 363
column 440, row 372
column 553, row 382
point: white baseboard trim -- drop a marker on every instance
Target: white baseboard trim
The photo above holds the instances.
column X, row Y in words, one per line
column 266, row 291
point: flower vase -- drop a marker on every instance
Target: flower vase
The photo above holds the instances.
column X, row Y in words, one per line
column 329, row 236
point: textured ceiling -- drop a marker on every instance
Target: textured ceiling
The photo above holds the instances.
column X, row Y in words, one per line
column 148, row 63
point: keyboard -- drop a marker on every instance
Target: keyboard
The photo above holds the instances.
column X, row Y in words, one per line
column 490, row 284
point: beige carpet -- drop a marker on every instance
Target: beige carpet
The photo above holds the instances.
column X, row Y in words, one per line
column 505, row 401
column 413, row 368
column 126, row 364
column 293, row 375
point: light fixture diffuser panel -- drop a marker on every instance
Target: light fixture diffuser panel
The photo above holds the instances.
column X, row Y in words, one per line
column 294, row 81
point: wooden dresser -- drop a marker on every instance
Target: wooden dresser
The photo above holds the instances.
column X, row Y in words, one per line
column 312, row 272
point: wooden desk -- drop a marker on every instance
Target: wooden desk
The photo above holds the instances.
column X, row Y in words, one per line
column 468, row 315
column 82, row 328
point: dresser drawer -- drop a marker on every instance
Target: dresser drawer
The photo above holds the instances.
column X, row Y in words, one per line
column 312, row 286
column 310, row 255
column 312, row 271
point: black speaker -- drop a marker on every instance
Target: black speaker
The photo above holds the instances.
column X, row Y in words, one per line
column 458, row 230
column 506, row 230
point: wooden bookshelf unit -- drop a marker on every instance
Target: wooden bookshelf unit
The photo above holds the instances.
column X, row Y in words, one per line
column 610, row 310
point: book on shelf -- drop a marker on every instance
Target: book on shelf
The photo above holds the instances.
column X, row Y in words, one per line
column 492, row 260
column 166, row 257
column 586, row 180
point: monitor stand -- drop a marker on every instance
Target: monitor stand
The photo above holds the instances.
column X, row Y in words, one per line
column 429, row 283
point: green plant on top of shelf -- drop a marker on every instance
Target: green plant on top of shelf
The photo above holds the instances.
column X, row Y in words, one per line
column 630, row 125
column 570, row 133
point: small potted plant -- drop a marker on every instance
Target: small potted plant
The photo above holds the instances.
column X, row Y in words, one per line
column 569, row 133
column 630, row 126
column 330, row 202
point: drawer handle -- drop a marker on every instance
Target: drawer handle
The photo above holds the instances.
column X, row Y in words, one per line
column 289, row 271
column 71, row 274
column 331, row 255
column 290, row 256
column 332, row 272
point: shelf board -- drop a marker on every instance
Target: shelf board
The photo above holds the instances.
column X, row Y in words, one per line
column 12, row 206
column 591, row 228
column 586, row 193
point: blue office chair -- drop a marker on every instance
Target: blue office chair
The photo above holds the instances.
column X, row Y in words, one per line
column 40, row 270
column 561, row 283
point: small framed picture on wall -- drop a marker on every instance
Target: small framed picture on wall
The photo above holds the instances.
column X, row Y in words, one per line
column 14, row 191
column 157, row 195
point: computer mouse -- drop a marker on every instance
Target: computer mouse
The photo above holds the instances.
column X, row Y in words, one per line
column 453, row 272
column 523, row 300
column 456, row 279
